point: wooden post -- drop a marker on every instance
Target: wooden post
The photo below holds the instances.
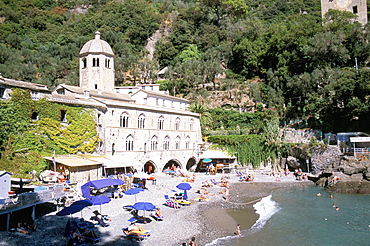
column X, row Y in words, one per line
column 8, row 221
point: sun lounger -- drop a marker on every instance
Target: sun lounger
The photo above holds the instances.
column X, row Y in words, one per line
column 158, row 218
column 184, row 202
column 171, row 203
column 199, row 199
column 135, row 235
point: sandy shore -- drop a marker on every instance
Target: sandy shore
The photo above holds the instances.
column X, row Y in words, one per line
column 204, row 220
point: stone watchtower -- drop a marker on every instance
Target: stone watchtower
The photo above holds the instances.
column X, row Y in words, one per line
column 97, row 65
column 357, row 7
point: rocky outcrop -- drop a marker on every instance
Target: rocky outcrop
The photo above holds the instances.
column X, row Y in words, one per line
column 345, row 174
column 325, row 159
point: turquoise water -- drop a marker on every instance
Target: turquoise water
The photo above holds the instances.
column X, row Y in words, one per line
column 297, row 216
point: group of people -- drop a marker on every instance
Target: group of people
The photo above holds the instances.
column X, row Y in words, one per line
column 26, row 225
column 191, row 243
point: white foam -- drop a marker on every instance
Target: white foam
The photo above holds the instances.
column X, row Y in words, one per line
column 265, row 209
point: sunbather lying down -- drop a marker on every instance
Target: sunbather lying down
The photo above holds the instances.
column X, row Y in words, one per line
column 136, row 231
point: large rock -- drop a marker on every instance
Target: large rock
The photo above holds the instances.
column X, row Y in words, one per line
column 325, row 159
column 350, row 165
column 293, row 162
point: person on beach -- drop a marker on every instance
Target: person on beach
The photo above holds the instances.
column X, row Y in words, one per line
column 237, row 232
column 192, row 243
column 158, row 213
column 227, row 194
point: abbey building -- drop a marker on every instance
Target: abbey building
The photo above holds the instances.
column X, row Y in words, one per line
column 138, row 126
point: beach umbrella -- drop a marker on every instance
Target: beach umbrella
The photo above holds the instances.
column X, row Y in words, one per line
column 133, row 191
column 99, row 200
column 207, row 160
column 82, row 202
column 71, row 210
column 184, row 187
column 146, row 206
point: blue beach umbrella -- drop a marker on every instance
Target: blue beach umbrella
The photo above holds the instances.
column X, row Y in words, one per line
column 82, row 202
column 71, row 210
column 133, row 191
column 99, row 200
column 184, row 187
column 146, row 206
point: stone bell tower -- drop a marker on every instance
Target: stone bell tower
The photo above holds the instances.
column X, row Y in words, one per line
column 97, row 65
column 358, row 7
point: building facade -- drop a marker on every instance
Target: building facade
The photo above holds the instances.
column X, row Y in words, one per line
column 358, row 7
column 138, row 125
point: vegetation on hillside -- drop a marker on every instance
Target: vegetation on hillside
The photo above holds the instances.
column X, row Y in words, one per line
column 294, row 65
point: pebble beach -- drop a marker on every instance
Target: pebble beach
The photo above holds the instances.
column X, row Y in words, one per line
column 206, row 221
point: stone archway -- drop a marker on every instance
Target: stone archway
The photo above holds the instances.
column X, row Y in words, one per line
column 191, row 164
column 150, row 167
column 172, row 163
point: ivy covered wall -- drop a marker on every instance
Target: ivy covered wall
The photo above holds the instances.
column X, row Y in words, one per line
column 32, row 129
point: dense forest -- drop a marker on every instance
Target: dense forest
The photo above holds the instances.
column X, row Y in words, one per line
column 282, row 54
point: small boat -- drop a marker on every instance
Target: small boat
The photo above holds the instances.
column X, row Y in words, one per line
column 18, row 181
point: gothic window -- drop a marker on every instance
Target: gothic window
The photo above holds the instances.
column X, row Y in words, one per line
column 177, row 124
column 84, row 63
column 96, row 86
column 123, row 121
column 191, row 124
column 141, row 121
column 99, row 119
column 177, row 142
column 161, row 123
column 129, row 143
column 154, row 143
column 187, row 142
column 166, row 143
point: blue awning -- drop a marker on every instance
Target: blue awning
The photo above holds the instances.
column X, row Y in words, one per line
column 97, row 184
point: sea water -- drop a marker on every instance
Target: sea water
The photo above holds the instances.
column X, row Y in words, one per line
column 298, row 216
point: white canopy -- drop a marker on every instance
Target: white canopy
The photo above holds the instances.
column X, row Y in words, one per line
column 215, row 154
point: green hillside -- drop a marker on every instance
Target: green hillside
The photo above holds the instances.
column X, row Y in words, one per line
column 280, row 53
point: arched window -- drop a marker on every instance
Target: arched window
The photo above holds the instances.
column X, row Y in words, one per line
column 107, row 63
column 177, row 124
column 191, row 124
column 129, row 143
column 84, row 63
column 141, row 121
column 166, row 143
column 177, row 142
column 95, row 62
column 154, row 143
column 187, row 142
column 123, row 120
column 160, row 123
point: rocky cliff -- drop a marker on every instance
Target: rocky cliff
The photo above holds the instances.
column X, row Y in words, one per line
column 346, row 174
